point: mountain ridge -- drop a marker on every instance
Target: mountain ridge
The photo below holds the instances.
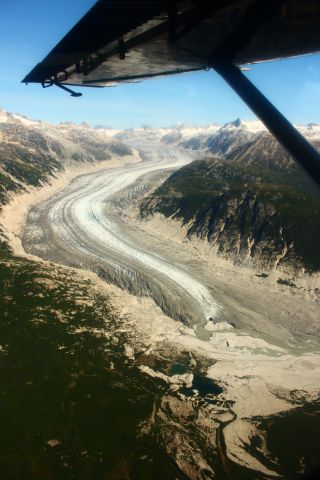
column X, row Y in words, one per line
column 187, row 131
column 33, row 151
column 257, row 224
column 247, row 198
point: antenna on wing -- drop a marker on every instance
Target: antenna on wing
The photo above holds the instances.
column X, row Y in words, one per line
column 72, row 92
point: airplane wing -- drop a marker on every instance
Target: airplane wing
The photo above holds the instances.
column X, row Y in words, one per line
column 130, row 40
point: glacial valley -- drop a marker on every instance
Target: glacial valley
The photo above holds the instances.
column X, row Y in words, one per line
column 232, row 348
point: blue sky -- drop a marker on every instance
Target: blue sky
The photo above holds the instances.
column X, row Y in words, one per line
column 29, row 29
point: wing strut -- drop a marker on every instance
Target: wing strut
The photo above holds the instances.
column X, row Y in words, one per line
column 222, row 60
column 281, row 128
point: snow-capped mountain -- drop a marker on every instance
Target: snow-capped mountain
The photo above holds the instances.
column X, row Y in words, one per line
column 220, row 140
column 311, row 131
column 235, row 134
column 170, row 135
column 238, row 125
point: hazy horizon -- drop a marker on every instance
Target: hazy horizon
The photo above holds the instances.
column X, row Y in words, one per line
column 182, row 124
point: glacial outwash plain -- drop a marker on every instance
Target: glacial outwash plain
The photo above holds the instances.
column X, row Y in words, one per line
column 160, row 294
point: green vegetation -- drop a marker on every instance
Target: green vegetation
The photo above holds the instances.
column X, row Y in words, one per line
column 26, row 168
column 120, row 149
column 25, row 172
column 6, row 185
column 70, row 403
column 293, row 439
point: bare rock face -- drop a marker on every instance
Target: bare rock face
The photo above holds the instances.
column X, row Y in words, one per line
column 186, row 428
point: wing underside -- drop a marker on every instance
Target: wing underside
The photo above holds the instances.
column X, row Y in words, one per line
column 131, row 40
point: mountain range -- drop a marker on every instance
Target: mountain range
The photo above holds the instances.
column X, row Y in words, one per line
column 203, row 137
column 244, row 195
